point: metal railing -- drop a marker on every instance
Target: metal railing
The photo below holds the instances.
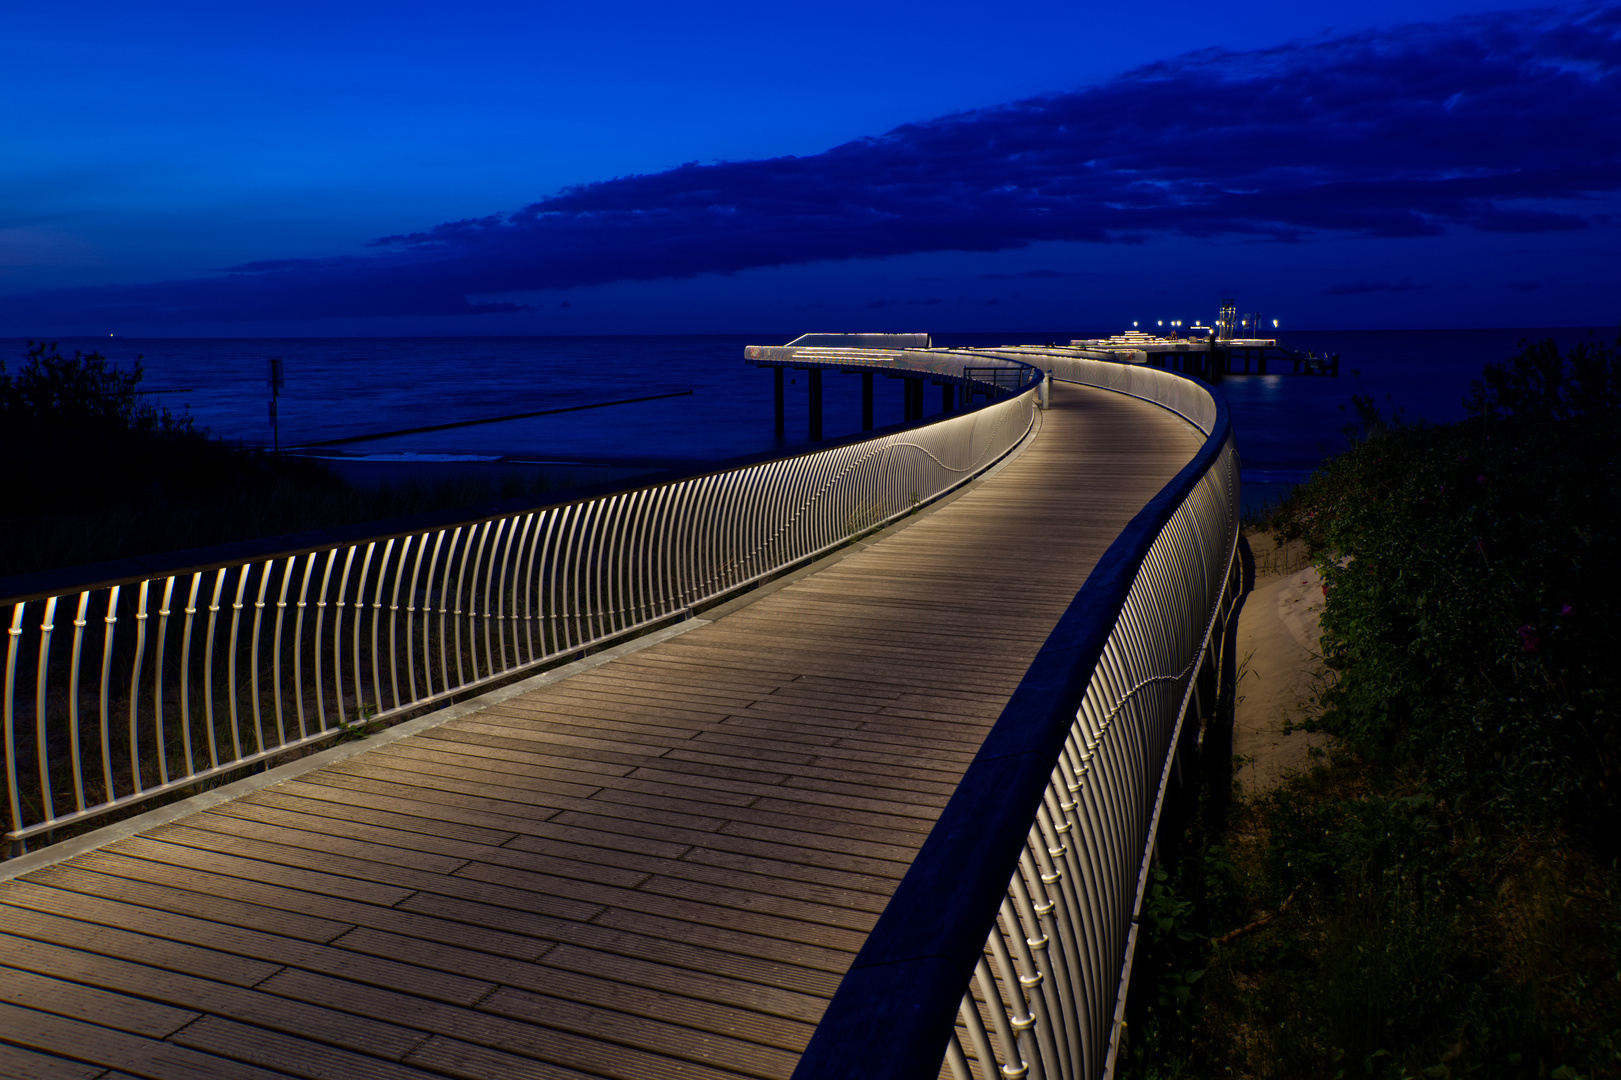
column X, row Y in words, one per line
column 1006, row 949
column 996, row 369
column 135, row 685
column 1188, row 398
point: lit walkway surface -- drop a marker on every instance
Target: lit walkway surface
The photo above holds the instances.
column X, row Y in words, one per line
column 653, row 870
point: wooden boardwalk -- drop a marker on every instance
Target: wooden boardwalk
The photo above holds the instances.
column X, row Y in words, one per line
column 657, row 869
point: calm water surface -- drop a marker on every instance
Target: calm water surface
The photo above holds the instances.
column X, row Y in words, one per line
column 339, row 388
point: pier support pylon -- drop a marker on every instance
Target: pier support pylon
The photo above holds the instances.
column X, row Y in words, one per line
column 866, row 401
column 816, row 404
column 913, row 390
column 782, row 417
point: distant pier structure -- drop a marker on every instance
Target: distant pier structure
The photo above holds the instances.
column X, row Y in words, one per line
column 881, row 353
column 1230, row 347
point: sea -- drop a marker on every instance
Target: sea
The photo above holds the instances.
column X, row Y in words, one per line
column 639, row 404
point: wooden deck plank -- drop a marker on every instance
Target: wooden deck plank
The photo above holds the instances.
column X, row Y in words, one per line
column 70, row 999
column 657, row 868
column 119, row 943
column 32, row 1029
column 471, row 1061
column 626, row 984
column 100, row 909
column 748, row 958
column 398, row 920
column 287, row 1052
column 171, row 896
column 191, row 1000
column 19, row 1064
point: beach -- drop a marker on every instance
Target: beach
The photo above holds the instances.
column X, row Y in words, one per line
column 1279, row 667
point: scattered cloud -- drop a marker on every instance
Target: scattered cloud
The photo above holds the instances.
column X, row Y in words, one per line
column 1507, row 122
column 1352, row 288
column 1039, row 275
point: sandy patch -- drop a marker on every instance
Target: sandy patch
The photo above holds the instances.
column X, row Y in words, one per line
column 1280, row 669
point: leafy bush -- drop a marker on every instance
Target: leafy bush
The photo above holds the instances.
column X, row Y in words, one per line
column 77, row 436
column 1455, row 858
column 80, row 393
column 1473, row 583
column 1540, row 383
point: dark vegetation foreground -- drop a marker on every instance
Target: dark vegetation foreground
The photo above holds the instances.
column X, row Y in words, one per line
column 1439, row 896
column 94, row 472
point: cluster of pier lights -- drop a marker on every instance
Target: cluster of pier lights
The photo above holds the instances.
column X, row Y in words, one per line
column 1209, row 358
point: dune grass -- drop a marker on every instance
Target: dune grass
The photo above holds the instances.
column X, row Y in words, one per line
column 1440, row 895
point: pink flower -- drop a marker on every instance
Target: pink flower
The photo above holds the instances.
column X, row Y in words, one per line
column 1566, row 609
column 1480, row 479
column 1528, row 639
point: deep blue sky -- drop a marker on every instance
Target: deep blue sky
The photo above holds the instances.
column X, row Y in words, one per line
column 229, row 169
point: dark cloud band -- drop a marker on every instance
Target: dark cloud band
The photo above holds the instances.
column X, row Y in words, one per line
column 1509, row 122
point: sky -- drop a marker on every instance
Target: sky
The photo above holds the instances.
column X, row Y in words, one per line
column 496, row 167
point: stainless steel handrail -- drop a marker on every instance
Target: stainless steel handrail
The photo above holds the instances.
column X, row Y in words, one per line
column 1007, row 947
column 172, row 678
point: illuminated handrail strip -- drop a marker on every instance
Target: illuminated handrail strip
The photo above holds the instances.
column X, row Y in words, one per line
column 575, row 574
column 1006, row 949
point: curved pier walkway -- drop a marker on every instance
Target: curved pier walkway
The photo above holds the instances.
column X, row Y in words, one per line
column 656, row 869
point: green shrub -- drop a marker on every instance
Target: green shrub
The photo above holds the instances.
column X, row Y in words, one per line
column 1455, row 858
column 1472, row 580
column 81, row 393
column 1541, row 383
